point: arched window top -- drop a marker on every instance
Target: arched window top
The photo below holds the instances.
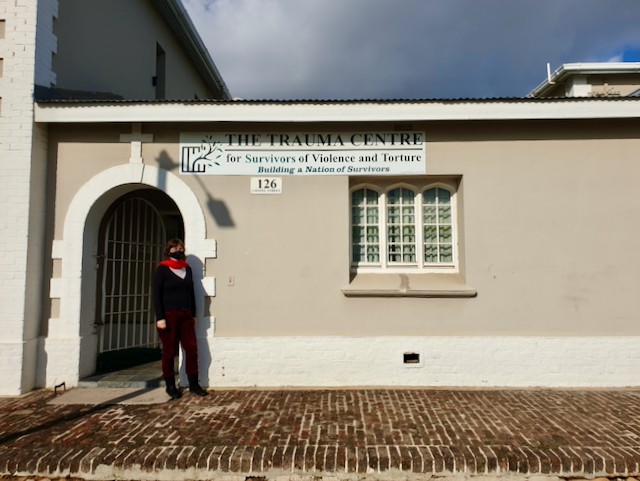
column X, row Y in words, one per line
column 437, row 196
column 401, row 195
column 364, row 196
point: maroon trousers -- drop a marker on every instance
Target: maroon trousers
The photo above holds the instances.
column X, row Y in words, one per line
column 180, row 330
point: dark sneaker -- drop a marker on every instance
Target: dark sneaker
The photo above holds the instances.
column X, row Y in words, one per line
column 173, row 392
column 197, row 390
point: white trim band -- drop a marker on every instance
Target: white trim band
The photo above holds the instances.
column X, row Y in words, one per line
column 339, row 112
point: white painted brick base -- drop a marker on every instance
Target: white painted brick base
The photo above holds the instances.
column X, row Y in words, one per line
column 444, row 361
column 378, row 361
column 58, row 362
column 11, row 361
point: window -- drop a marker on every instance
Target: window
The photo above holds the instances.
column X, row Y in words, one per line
column 160, row 79
column 404, row 228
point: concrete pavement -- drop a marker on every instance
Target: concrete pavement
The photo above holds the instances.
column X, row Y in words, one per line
column 310, row 434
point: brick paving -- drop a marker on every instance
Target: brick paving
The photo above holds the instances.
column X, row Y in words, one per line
column 256, row 433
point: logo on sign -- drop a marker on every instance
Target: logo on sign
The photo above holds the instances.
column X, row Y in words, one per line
column 203, row 157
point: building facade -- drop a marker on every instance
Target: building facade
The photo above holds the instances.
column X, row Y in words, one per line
column 397, row 243
column 507, row 260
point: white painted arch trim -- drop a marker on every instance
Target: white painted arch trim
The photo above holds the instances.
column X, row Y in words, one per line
column 73, row 251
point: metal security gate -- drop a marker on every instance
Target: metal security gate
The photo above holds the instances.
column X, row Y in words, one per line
column 133, row 242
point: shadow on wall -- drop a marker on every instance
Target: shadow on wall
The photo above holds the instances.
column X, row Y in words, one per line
column 203, row 326
column 217, row 208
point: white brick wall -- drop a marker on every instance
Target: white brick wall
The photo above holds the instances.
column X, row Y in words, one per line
column 444, row 361
column 16, row 120
column 59, row 364
column 20, row 196
column 11, row 357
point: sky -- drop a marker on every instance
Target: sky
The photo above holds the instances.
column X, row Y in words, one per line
column 407, row 49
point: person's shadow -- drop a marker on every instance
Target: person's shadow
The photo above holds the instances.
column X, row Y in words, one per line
column 203, row 326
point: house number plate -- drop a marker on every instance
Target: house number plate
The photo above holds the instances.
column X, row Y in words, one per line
column 266, row 185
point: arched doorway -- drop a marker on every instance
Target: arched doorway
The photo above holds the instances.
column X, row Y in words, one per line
column 70, row 353
column 131, row 240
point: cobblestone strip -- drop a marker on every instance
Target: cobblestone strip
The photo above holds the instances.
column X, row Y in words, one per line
column 189, row 462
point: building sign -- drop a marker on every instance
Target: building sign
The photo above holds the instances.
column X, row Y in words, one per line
column 282, row 154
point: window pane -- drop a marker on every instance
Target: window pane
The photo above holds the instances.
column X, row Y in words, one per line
column 409, row 254
column 430, row 215
column 446, row 254
column 357, row 233
column 372, row 235
column 429, row 197
column 373, row 254
column 430, row 234
column 401, row 226
column 365, row 222
column 372, row 215
column 437, row 217
column 357, row 198
column 407, row 217
column 407, row 197
column 431, row 253
column 444, row 216
column 445, row 235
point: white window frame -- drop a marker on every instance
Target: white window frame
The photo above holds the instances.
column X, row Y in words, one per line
column 420, row 266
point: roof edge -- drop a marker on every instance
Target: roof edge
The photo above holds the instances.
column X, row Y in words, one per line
column 353, row 111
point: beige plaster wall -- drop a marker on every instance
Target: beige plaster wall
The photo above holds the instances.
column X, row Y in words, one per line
column 110, row 46
column 616, row 85
column 549, row 213
column 77, row 153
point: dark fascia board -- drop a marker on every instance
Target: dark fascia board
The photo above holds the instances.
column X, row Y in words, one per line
column 361, row 101
column 178, row 19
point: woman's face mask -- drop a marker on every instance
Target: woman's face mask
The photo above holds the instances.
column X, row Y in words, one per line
column 177, row 255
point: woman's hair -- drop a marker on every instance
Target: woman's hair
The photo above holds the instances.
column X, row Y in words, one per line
column 171, row 243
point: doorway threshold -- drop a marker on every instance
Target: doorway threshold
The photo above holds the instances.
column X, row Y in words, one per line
column 147, row 375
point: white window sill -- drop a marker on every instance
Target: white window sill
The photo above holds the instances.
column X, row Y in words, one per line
column 408, row 285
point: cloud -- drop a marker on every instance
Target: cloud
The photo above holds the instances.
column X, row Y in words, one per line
column 380, row 49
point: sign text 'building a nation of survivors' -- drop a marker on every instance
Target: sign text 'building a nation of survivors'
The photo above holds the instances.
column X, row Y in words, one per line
column 360, row 153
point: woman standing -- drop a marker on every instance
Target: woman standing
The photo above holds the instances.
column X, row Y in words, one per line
column 174, row 303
